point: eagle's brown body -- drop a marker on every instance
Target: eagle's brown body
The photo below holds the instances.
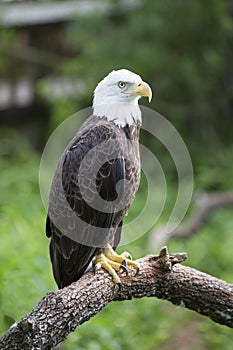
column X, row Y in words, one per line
column 75, row 226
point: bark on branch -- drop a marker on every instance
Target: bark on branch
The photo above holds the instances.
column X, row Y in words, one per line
column 61, row 312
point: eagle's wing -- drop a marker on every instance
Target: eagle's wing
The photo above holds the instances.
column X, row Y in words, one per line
column 72, row 223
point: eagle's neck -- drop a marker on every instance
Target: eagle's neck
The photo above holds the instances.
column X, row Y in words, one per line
column 121, row 114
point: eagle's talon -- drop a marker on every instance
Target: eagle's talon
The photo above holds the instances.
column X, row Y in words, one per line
column 113, row 263
column 119, row 286
column 137, row 271
column 129, row 257
column 124, row 263
column 124, row 268
column 96, row 267
column 126, row 255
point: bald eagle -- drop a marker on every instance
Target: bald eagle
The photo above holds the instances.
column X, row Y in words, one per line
column 95, row 182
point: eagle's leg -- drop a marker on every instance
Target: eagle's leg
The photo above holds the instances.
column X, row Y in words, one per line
column 113, row 263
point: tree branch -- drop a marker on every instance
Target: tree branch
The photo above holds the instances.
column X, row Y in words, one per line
column 61, row 312
column 205, row 204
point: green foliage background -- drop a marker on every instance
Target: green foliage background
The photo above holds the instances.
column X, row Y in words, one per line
column 182, row 48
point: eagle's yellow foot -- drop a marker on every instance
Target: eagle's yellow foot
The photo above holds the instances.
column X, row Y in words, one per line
column 109, row 265
column 124, row 258
column 128, row 261
column 113, row 263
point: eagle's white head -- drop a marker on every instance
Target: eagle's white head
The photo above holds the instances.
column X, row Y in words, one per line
column 116, row 97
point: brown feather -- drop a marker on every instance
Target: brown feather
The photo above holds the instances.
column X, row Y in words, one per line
column 71, row 221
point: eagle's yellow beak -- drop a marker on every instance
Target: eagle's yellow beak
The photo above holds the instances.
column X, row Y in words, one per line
column 143, row 89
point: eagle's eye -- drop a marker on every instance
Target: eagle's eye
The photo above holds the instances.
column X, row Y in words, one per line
column 121, row 84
